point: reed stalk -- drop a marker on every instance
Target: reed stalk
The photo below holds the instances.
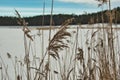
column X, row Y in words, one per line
column 26, row 35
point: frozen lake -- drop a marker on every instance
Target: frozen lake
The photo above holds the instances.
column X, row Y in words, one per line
column 12, row 42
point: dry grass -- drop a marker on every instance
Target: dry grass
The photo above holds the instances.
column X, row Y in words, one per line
column 68, row 56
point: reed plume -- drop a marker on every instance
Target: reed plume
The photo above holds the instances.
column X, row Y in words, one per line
column 57, row 43
column 23, row 23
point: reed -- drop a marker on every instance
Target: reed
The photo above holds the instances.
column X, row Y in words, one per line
column 69, row 55
column 96, row 64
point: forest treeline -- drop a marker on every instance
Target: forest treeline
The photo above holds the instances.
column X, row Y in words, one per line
column 58, row 19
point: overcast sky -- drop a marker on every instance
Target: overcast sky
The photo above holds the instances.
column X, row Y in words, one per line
column 35, row 7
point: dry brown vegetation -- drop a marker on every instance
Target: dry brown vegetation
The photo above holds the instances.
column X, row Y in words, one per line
column 68, row 58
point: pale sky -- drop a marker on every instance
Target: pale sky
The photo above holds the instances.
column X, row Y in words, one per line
column 35, row 7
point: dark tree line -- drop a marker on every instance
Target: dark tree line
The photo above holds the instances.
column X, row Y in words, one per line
column 7, row 21
column 60, row 18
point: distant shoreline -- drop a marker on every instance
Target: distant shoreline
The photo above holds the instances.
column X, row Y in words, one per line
column 58, row 19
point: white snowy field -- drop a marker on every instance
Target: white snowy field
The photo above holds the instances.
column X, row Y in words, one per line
column 12, row 42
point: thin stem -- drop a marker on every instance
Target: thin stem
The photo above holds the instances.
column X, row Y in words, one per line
column 26, row 57
column 51, row 21
column 76, row 47
column 112, row 42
